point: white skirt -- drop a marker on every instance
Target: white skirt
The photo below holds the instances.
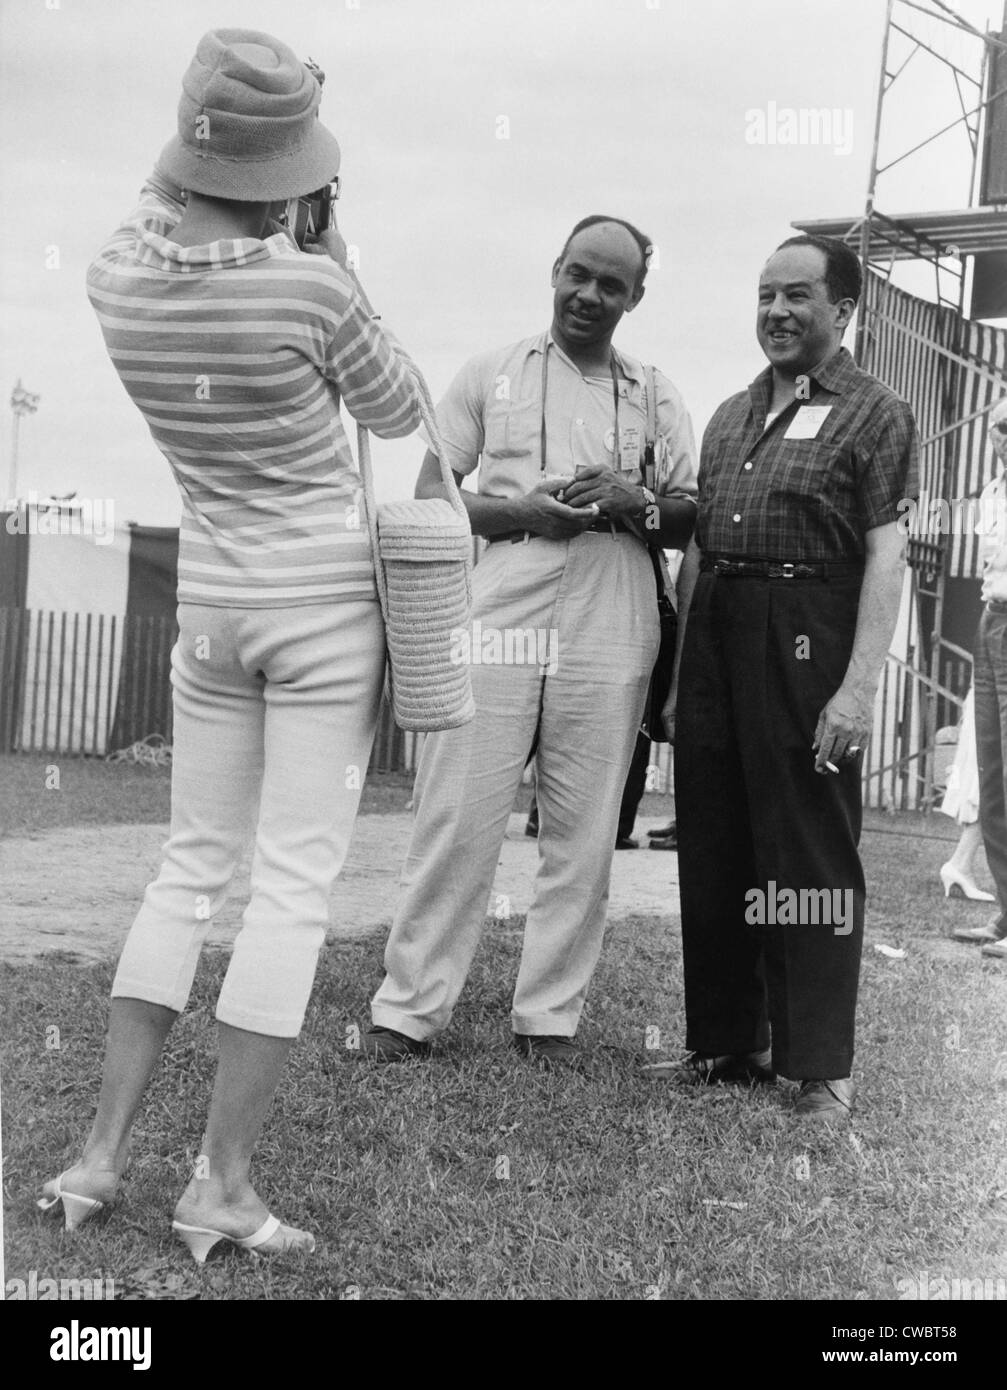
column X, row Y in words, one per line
column 961, row 797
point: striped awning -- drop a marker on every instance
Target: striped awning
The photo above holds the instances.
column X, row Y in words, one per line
column 911, row 235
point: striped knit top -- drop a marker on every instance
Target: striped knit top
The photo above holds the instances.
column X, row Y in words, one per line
column 237, row 354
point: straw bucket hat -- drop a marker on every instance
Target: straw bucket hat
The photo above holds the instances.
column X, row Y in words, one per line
column 248, row 125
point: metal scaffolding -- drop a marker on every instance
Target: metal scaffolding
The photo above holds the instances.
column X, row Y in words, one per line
column 951, row 372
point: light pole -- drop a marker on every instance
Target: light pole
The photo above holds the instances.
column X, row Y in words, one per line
column 22, row 402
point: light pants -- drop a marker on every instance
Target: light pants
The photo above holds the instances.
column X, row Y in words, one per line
column 274, row 718
column 594, row 600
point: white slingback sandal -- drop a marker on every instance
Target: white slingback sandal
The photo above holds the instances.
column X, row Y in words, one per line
column 201, row 1240
column 76, row 1209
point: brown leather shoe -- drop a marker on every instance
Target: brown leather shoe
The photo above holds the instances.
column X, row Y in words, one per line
column 825, row 1099
column 997, row 949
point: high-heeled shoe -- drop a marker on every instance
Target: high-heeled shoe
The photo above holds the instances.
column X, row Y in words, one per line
column 201, row 1239
column 961, row 885
column 76, row 1209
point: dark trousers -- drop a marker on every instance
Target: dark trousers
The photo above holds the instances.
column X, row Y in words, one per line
column 762, row 657
column 636, row 781
column 990, row 682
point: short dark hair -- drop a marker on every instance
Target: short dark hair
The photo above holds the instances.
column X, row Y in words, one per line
column 843, row 276
column 643, row 242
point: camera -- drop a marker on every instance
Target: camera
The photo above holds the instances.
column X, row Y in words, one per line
column 314, row 213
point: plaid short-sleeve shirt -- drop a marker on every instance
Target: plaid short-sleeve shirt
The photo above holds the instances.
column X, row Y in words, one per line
column 811, row 485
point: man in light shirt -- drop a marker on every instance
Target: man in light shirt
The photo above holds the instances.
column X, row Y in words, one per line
column 990, row 682
column 557, row 425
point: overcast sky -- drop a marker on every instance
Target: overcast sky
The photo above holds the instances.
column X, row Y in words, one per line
column 640, row 108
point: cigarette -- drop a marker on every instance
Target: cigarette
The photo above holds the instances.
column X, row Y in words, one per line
column 832, row 767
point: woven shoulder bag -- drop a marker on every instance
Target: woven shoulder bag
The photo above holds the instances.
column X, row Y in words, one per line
column 422, row 552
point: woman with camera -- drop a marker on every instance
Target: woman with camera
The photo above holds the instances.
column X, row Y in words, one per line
column 237, row 348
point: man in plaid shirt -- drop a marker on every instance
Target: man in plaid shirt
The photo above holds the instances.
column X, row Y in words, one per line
column 788, row 603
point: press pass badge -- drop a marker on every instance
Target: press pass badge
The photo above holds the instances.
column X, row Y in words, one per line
column 807, row 422
column 630, row 447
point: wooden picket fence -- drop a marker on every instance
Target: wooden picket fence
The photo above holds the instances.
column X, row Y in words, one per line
column 82, row 683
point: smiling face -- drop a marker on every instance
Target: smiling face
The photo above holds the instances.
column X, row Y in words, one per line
column 595, row 284
column 798, row 326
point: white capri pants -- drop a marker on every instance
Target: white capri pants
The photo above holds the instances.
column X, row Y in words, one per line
column 274, row 718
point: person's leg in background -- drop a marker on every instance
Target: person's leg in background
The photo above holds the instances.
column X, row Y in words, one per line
column 636, row 782
column 958, row 873
column 531, row 776
column 990, row 685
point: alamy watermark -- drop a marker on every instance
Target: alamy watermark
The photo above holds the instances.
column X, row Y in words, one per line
column 936, row 1289
column 33, row 1289
column 33, row 515
column 958, row 516
column 505, row 646
column 801, row 125
column 77, row 1343
column 805, row 907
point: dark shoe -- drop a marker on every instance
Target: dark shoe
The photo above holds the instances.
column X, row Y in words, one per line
column 385, row 1045
column 997, row 949
column 993, row 931
column 624, row 842
column 823, row 1099
column 669, row 842
column 531, row 827
column 664, row 832
column 550, row 1051
column 708, row 1071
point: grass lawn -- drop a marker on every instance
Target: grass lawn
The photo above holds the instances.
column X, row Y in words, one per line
column 95, row 792
column 472, row 1175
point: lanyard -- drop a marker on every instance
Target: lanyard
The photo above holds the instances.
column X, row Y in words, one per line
column 616, row 444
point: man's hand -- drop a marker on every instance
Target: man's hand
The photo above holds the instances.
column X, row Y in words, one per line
column 613, row 494
column 843, row 728
column 544, row 516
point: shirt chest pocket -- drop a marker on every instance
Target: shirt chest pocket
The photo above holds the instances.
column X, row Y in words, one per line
column 513, row 430
column 804, row 471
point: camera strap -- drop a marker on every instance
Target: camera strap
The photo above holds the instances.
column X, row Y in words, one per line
column 616, row 442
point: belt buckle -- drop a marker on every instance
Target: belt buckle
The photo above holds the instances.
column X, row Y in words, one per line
column 721, row 567
column 786, row 571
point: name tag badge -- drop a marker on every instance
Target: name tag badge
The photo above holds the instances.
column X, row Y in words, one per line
column 630, row 447
column 807, row 422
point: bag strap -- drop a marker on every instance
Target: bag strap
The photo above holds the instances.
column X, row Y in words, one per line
column 429, row 419
column 647, row 467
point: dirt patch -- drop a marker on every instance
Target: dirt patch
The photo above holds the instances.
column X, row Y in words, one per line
column 77, row 890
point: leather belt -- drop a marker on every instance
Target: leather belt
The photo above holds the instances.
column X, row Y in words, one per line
column 779, row 569
column 602, row 524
